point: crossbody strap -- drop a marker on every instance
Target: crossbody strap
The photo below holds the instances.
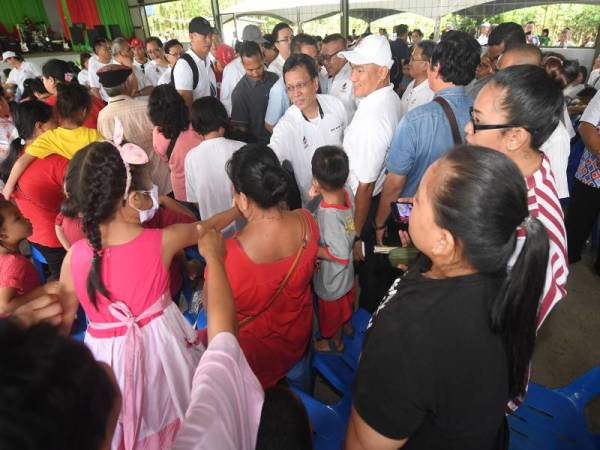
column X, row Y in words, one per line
column 287, row 277
column 451, row 119
column 171, row 146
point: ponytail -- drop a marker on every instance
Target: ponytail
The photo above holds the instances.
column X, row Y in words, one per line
column 513, row 312
column 14, row 151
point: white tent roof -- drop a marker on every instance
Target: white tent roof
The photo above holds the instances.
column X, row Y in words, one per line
column 301, row 11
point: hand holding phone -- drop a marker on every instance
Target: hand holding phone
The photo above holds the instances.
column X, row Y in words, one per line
column 401, row 212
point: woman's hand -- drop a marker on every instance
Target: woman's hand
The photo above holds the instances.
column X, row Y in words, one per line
column 210, row 244
column 46, row 308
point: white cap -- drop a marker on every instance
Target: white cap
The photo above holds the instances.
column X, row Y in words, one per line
column 7, row 55
column 373, row 49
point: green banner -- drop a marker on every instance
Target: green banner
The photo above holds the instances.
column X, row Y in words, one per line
column 12, row 12
column 116, row 12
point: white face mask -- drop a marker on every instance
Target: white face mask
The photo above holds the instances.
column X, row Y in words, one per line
column 148, row 214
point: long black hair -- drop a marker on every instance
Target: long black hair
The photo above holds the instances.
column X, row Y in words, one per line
column 101, row 188
column 168, row 111
column 59, row 70
column 533, row 100
column 25, row 116
column 482, row 201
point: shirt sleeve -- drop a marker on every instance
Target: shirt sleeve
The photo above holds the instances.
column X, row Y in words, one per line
column 12, row 272
column 591, row 114
column 282, row 137
column 190, row 192
column 388, row 392
column 35, row 69
column 227, row 87
column 12, row 77
column 183, row 76
column 278, row 104
column 401, row 158
column 93, row 75
column 239, row 108
column 40, row 148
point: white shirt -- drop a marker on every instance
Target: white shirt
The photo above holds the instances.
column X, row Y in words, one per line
column 276, row 66
column 206, row 181
column 93, row 67
column 154, row 72
column 415, row 96
column 296, row 138
column 165, row 78
column 567, row 122
column 142, row 81
column 139, row 64
column 27, row 70
column 368, row 137
column 557, row 148
column 184, row 77
column 341, row 86
column 83, row 77
column 594, row 78
column 482, row 39
column 232, row 74
column 323, row 84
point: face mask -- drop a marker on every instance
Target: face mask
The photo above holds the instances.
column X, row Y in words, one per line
column 148, row 214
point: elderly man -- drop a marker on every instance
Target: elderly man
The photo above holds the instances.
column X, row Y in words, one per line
column 312, row 121
column 123, row 54
column 133, row 114
column 158, row 65
column 418, row 92
column 338, row 69
column 21, row 70
column 173, row 51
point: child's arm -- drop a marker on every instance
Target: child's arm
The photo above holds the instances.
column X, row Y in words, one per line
column 67, row 295
column 58, row 229
column 20, row 165
column 173, row 205
column 9, row 301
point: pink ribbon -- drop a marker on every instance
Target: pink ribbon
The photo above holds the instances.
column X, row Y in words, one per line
column 130, row 153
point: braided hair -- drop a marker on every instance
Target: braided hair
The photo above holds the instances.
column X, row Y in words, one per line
column 102, row 181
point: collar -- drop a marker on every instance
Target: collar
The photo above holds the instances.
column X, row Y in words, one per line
column 205, row 61
column 378, row 94
column 253, row 82
column 321, row 114
column 454, row 90
column 280, row 60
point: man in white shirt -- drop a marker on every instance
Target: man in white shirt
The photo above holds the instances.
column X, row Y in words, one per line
column 139, row 54
column 193, row 73
column 206, row 180
column 102, row 57
column 21, row 70
column 594, row 78
column 283, row 34
column 311, row 122
column 484, row 31
column 83, row 77
column 158, row 65
column 418, row 92
column 173, row 51
column 123, row 54
column 368, row 137
column 234, row 71
column 339, row 83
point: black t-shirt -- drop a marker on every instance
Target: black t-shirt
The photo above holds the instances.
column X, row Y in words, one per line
column 431, row 369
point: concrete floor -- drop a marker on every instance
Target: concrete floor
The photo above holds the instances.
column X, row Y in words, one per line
column 568, row 344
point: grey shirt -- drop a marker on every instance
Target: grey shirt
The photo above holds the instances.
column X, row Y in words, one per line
column 333, row 279
column 249, row 101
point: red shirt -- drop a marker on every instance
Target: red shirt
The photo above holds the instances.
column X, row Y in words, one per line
column 92, row 119
column 277, row 338
column 39, row 194
column 17, row 272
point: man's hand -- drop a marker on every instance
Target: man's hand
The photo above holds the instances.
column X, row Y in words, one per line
column 358, row 252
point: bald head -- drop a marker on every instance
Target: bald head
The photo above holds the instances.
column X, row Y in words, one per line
column 518, row 56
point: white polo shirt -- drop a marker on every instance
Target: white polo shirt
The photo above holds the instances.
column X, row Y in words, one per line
column 165, row 78
column 276, row 66
column 184, row 77
column 296, row 138
column 142, row 80
column 27, row 70
column 341, row 86
column 206, row 180
column 557, row 148
column 232, row 74
column 415, row 96
column 83, row 77
column 93, row 67
column 368, row 138
column 154, row 72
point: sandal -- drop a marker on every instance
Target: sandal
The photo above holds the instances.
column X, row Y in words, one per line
column 332, row 350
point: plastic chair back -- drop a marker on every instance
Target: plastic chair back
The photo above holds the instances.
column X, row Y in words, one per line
column 553, row 419
column 39, row 261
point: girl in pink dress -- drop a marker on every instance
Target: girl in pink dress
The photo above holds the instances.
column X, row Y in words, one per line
column 120, row 276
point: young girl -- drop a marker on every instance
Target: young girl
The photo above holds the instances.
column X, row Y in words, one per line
column 120, row 276
column 451, row 343
column 19, row 281
column 73, row 105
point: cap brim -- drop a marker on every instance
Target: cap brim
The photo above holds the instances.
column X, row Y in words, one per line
column 355, row 58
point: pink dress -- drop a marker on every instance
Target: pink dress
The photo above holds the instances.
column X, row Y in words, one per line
column 142, row 335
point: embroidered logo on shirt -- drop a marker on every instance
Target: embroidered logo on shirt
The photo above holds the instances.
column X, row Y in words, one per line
column 305, row 142
column 344, row 86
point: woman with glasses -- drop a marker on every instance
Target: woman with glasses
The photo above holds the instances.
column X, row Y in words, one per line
column 515, row 113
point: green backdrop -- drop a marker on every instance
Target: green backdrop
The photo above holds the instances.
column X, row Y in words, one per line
column 13, row 11
column 116, row 12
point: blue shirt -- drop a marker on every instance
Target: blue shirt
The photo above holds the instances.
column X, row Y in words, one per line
column 424, row 135
column 279, row 102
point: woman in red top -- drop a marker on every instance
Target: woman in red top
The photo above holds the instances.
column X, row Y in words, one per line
column 276, row 251
column 57, row 71
column 39, row 192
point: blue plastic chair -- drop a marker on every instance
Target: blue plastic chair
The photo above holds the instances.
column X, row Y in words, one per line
column 39, row 262
column 329, row 422
column 301, row 375
column 553, row 419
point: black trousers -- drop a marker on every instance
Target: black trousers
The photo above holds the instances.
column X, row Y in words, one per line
column 54, row 256
column 376, row 274
column 584, row 207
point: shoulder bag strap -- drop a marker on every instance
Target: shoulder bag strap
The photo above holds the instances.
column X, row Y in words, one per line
column 287, row 277
column 451, row 118
column 171, row 146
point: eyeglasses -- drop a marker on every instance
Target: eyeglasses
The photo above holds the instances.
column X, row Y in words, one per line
column 177, row 54
column 325, row 57
column 479, row 127
column 285, row 39
column 418, row 60
column 297, row 87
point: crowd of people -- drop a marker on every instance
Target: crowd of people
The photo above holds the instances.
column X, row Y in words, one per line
column 285, row 160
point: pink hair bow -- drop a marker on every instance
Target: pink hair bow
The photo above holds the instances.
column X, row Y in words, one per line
column 130, row 153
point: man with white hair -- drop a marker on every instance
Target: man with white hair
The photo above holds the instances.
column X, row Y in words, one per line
column 123, row 54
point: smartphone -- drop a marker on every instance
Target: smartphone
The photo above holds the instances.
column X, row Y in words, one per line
column 401, row 212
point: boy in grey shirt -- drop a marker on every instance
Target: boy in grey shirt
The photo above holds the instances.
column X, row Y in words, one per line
column 334, row 279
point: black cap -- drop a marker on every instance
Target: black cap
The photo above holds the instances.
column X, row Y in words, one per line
column 113, row 75
column 201, row 26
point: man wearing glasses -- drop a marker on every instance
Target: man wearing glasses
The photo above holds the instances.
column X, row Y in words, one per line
column 313, row 120
column 338, row 69
column 418, row 92
column 173, row 51
column 283, row 35
column 158, row 65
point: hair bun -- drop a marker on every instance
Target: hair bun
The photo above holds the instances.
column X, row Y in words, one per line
column 275, row 183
